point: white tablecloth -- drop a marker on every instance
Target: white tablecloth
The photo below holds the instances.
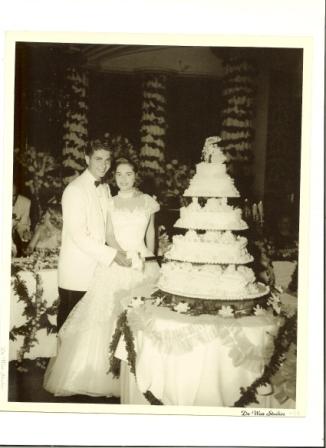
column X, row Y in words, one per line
column 202, row 361
column 46, row 344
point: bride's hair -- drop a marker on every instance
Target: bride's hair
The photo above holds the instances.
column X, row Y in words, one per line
column 124, row 161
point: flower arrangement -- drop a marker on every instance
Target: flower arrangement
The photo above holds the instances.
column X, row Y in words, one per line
column 75, row 125
column 170, row 185
column 39, row 259
column 164, row 241
column 43, row 175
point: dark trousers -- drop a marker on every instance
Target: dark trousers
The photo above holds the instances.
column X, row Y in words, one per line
column 67, row 300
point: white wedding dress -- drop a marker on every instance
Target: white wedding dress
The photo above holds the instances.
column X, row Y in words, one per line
column 82, row 362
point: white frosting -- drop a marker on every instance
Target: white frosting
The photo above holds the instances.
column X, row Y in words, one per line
column 215, row 215
column 211, row 184
column 211, row 178
column 210, row 247
column 208, row 280
column 210, row 169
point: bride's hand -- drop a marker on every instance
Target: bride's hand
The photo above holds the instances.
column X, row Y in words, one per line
column 122, row 260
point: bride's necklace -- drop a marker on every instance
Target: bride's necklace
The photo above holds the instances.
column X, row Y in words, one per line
column 126, row 194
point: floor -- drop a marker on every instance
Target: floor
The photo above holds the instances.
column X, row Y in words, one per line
column 25, row 385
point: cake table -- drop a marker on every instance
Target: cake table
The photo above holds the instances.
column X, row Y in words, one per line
column 195, row 360
column 210, row 328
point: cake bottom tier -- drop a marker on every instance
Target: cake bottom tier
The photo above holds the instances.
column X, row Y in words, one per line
column 211, row 282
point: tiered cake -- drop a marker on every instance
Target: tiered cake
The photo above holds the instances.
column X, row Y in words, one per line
column 209, row 260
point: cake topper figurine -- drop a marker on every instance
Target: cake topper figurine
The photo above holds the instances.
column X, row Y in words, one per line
column 212, row 152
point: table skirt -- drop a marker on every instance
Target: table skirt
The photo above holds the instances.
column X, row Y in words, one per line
column 196, row 361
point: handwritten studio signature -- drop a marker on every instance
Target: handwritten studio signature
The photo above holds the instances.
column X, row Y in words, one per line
column 3, row 367
column 260, row 413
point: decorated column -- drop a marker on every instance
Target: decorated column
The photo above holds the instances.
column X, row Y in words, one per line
column 153, row 125
column 75, row 124
column 237, row 130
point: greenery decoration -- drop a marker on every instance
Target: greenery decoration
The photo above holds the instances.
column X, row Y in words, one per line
column 75, row 125
column 153, row 125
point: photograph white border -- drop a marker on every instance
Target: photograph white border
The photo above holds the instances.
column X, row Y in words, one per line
column 309, row 139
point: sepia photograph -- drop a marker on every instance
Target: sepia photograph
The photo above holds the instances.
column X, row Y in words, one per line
column 161, row 223
column 155, row 226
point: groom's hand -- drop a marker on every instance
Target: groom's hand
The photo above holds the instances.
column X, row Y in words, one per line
column 122, row 260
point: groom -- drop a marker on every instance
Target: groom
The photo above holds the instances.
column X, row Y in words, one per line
column 84, row 211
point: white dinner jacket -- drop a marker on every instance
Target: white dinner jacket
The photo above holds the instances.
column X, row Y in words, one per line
column 84, row 212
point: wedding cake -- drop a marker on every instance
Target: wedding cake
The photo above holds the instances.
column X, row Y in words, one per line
column 209, row 260
column 211, row 178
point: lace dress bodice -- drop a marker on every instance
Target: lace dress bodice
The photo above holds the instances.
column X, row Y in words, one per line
column 130, row 218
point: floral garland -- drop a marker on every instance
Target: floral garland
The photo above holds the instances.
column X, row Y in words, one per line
column 153, row 125
column 239, row 107
column 36, row 312
column 75, row 126
column 237, row 129
column 236, row 309
column 280, row 369
column 36, row 309
column 43, row 177
column 123, row 329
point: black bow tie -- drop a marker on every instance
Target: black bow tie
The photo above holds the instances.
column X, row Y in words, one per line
column 98, row 182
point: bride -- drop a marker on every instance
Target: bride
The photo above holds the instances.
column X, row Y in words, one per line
column 82, row 362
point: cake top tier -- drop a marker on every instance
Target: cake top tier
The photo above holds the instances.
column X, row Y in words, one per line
column 212, row 153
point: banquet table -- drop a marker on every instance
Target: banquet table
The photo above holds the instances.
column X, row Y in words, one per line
column 45, row 345
column 196, row 360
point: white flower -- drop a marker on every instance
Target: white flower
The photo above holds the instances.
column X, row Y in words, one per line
column 136, row 301
column 155, row 96
column 152, row 152
column 182, row 307
column 259, row 311
column 275, row 303
column 226, row 311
